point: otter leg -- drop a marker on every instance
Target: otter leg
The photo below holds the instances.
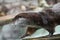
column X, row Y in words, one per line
column 51, row 31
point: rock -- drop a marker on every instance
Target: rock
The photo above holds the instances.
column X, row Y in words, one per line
column 15, row 30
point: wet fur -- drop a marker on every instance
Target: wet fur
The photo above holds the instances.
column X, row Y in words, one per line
column 47, row 19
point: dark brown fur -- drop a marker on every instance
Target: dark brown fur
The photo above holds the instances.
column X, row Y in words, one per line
column 47, row 19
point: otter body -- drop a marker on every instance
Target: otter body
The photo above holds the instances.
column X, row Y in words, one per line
column 48, row 19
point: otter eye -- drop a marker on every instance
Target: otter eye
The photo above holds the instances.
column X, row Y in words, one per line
column 20, row 16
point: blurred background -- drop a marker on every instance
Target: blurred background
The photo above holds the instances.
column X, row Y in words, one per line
column 10, row 8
